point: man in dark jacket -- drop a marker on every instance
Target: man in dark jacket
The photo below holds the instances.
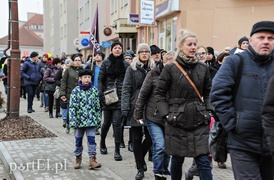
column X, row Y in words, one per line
column 241, row 117
column 30, row 71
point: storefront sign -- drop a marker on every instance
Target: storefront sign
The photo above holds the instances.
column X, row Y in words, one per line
column 167, row 7
column 133, row 19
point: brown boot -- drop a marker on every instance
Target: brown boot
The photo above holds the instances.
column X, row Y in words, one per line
column 93, row 163
column 78, row 162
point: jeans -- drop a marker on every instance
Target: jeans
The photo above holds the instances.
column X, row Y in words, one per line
column 247, row 165
column 79, row 134
column 159, row 158
column 31, row 89
column 203, row 164
column 64, row 113
column 140, row 146
column 46, row 100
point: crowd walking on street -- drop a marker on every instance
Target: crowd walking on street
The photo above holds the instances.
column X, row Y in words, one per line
column 167, row 99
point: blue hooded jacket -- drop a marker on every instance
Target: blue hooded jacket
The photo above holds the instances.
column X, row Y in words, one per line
column 30, row 71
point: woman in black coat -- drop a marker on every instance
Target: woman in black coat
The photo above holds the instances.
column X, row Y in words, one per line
column 155, row 123
column 112, row 74
column 133, row 81
column 186, row 115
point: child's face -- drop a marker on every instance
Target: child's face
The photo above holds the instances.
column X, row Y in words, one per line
column 86, row 79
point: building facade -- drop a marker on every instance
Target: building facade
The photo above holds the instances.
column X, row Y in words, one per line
column 61, row 26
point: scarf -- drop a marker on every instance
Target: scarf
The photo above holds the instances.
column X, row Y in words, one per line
column 188, row 60
column 258, row 57
column 84, row 86
column 116, row 66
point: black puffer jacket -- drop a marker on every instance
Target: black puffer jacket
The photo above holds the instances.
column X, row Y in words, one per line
column 187, row 136
column 106, row 81
column 267, row 114
column 146, row 101
column 131, row 88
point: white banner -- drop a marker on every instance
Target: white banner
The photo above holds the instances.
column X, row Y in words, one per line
column 147, row 12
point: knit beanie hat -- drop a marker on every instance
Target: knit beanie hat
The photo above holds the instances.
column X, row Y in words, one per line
column 116, row 43
column 154, row 49
column 83, row 72
column 242, row 40
column 127, row 54
column 210, row 50
column 143, row 46
column 262, row 26
column 33, row 54
column 45, row 55
column 68, row 60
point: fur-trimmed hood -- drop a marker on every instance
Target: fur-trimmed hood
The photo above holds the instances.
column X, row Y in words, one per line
column 136, row 61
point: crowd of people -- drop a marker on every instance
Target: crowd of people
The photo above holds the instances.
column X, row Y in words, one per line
column 167, row 98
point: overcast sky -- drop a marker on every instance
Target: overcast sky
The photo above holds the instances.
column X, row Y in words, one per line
column 24, row 6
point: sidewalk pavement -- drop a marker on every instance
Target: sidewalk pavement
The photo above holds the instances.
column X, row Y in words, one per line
column 52, row 158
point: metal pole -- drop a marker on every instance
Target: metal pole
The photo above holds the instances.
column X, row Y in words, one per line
column 14, row 65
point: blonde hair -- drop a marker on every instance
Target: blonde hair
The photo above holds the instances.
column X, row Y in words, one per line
column 185, row 34
column 170, row 55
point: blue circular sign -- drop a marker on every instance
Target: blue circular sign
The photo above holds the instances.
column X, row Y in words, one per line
column 84, row 42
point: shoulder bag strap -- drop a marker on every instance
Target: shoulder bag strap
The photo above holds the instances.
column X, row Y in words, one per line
column 189, row 80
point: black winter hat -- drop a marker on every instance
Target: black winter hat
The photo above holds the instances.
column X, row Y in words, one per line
column 154, row 49
column 83, row 72
column 101, row 54
column 127, row 54
column 262, row 26
column 116, row 43
column 242, row 40
column 210, row 50
column 33, row 54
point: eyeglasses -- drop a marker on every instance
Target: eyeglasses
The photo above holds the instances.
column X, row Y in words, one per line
column 143, row 52
column 201, row 54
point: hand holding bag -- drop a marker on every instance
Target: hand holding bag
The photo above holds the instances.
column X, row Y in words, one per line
column 217, row 142
column 111, row 95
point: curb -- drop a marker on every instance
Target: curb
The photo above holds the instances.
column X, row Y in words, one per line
column 7, row 160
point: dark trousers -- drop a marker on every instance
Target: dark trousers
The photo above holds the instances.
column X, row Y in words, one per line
column 112, row 116
column 50, row 103
column 251, row 166
column 23, row 91
column 140, row 145
column 31, row 89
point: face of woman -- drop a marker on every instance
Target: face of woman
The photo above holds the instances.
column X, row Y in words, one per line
column 244, row 45
column 144, row 55
column 209, row 57
column 117, row 50
column 201, row 54
column 188, row 47
column 77, row 61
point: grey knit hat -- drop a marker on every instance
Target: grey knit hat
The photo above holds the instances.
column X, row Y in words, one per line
column 143, row 46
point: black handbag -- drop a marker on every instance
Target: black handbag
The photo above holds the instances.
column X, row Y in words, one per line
column 217, row 142
column 49, row 87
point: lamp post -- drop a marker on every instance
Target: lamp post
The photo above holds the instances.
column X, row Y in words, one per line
column 13, row 97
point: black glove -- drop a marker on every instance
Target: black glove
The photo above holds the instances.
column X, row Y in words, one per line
column 124, row 116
